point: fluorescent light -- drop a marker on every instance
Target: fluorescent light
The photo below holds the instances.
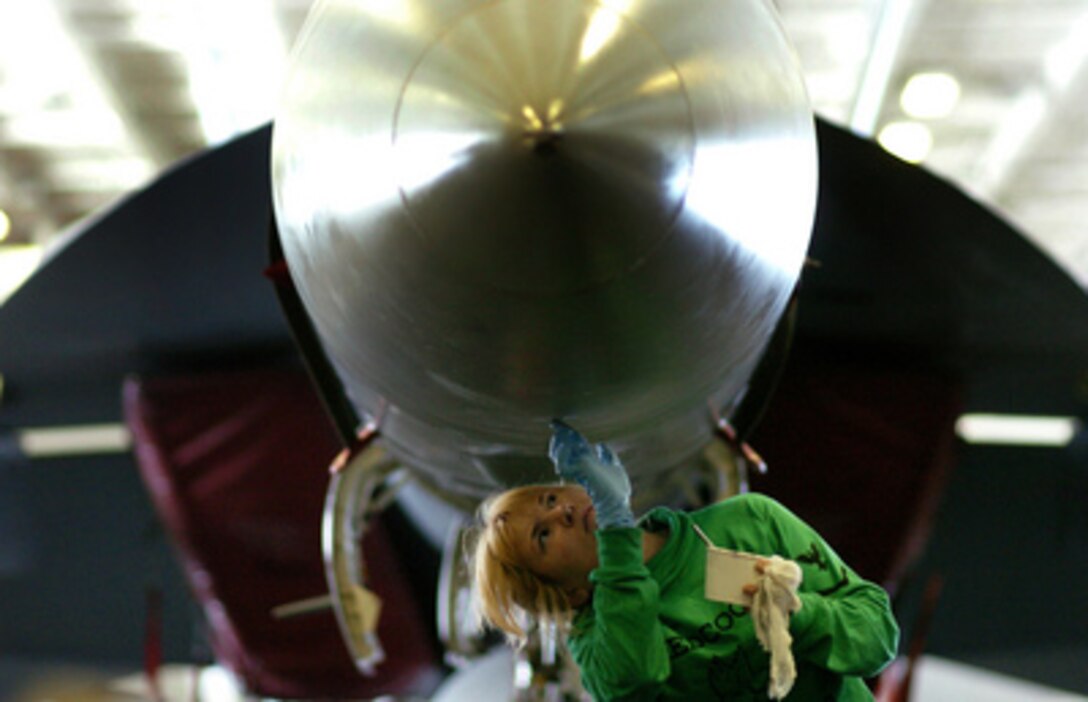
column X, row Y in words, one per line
column 67, row 128
column 895, row 19
column 50, row 94
column 76, row 440
column 1023, row 430
column 234, row 90
column 930, row 95
column 41, row 59
column 1064, row 61
column 1015, row 131
column 103, row 174
column 5, row 225
column 910, row 141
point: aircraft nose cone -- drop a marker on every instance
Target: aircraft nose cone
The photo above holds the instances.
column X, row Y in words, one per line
column 501, row 212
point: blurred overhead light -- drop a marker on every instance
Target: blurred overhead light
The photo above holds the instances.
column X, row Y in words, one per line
column 910, row 141
column 1017, row 429
column 48, row 93
column 69, row 128
column 234, row 84
column 76, row 440
column 103, row 174
column 38, row 56
column 1014, row 132
column 17, row 263
column 930, row 95
column 5, row 225
column 894, row 21
column 1067, row 57
column 234, row 54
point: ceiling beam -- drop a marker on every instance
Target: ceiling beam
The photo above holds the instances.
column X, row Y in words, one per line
column 894, row 24
column 1035, row 113
column 142, row 139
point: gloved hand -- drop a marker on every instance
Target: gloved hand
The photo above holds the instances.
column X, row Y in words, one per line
column 597, row 470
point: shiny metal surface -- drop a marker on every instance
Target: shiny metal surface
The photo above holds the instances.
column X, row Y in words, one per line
column 501, row 212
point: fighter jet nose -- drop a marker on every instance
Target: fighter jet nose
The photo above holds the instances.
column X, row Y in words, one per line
column 501, row 212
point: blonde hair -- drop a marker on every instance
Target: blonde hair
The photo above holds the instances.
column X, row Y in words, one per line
column 506, row 590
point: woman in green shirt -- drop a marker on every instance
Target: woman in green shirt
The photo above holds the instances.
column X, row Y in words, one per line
column 632, row 598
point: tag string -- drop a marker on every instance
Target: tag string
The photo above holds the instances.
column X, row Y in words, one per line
column 703, row 536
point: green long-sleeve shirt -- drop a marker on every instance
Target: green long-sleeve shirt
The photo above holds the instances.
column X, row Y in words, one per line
column 650, row 634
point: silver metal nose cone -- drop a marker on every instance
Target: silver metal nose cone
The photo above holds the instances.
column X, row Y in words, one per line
column 502, row 211
column 542, row 161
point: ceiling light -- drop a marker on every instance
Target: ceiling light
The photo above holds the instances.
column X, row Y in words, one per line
column 71, row 128
column 103, row 174
column 5, row 225
column 1017, row 127
column 50, row 93
column 930, row 95
column 1014, row 429
column 910, row 141
column 1065, row 59
column 235, row 89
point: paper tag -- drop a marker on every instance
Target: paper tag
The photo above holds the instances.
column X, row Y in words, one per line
column 727, row 572
column 362, row 608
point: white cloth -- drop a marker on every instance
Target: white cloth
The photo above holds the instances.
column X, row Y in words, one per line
column 772, row 605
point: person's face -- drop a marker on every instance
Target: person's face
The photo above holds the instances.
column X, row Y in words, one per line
column 555, row 537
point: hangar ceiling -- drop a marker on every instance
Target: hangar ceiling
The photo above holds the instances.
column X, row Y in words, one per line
column 96, row 96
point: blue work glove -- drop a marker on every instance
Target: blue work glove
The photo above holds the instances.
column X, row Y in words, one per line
column 597, row 470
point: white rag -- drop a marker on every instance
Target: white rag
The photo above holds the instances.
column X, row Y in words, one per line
column 772, row 605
